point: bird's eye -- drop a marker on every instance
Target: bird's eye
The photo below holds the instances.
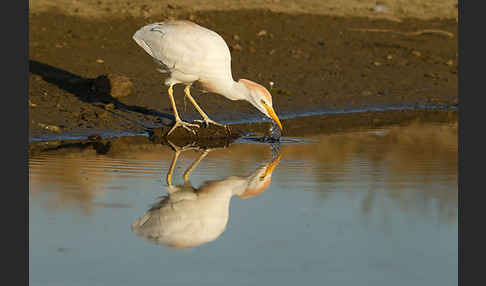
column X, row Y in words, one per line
column 263, row 101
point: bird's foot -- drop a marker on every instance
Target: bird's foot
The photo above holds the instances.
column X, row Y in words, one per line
column 206, row 122
column 177, row 148
column 183, row 124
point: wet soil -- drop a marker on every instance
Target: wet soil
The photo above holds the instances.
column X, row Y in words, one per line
column 87, row 76
column 255, row 132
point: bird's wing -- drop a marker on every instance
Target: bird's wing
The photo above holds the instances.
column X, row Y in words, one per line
column 153, row 39
column 186, row 47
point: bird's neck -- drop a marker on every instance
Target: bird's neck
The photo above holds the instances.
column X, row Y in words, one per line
column 240, row 185
column 234, row 90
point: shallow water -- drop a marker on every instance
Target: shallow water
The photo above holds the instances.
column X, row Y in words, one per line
column 376, row 207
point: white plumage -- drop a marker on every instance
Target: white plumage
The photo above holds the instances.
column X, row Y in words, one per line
column 189, row 53
column 189, row 217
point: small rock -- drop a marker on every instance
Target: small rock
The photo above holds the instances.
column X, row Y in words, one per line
column 236, row 37
column 262, row 33
column 120, row 85
column 450, row 62
column 100, row 61
column 32, row 104
column 52, row 128
column 380, row 8
column 95, row 137
column 377, row 64
column 110, row 106
column 389, row 57
column 271, row 52
column 416, row 53
column 237, row 47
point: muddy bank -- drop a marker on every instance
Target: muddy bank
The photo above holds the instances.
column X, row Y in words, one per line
column 390, row 9
column 88, row 76
column 297, row 127
column 211, row 135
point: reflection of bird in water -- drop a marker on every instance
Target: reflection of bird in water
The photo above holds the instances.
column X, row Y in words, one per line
column 190, row 53
column 189, row 217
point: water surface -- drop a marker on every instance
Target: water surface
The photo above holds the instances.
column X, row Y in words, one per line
column 375, row 207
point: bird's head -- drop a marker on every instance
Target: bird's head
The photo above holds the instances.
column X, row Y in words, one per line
column 261, row 98
column 259, row 181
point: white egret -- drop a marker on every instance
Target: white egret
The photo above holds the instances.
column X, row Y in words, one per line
column 190, row 53
column 188, row 216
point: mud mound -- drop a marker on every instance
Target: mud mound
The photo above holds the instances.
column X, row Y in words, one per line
column 208, row 136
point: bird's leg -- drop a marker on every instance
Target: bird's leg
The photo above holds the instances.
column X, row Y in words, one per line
column 171, row 169
column 193, row 165
column 205, row 117
column 177, row 151
column 178, row 121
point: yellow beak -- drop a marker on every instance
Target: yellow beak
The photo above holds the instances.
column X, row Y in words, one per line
column 272, row 166
column 256, row 190
column 273, row 115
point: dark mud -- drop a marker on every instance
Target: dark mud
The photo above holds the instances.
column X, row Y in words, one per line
column 298, row 127
column 88, row 76
column 211, row 135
